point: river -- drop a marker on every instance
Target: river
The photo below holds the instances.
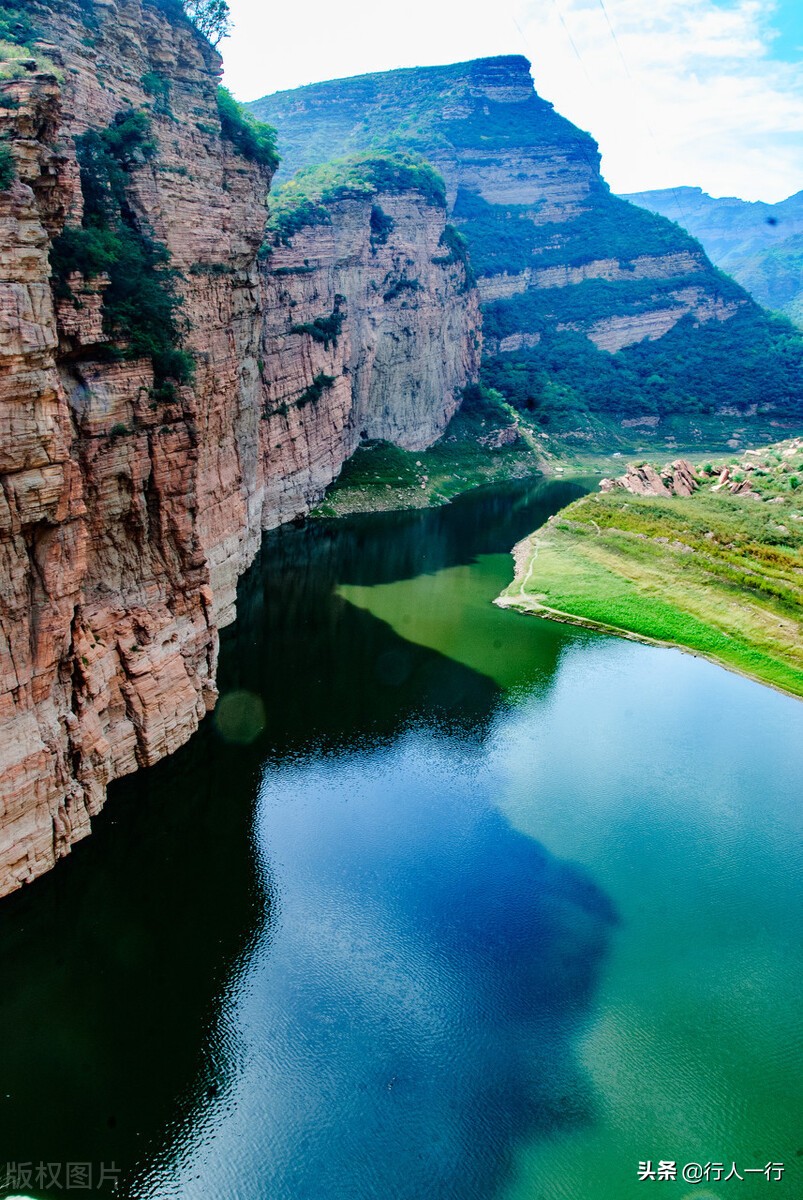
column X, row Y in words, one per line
column 445, row 902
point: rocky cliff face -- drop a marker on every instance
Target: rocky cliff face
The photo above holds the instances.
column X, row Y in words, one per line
column 127, row 509
column 364, row 338
column 524, row 186
column 588, row 301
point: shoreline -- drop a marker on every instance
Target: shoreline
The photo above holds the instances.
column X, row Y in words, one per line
column 733, row 597
column 545, row 613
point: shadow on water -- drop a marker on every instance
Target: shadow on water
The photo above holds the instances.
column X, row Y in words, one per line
column 423, row 991
column 177, row 972
column 353, row 676
column 115, row 965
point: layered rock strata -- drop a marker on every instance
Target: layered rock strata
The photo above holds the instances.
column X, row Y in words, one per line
column 576, row 284
column 522, row 183
column 127, row 514
column 389, row 330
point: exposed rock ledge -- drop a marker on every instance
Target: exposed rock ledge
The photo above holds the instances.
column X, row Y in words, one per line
column 614, row 333
column 659, row 266
column 676, row 479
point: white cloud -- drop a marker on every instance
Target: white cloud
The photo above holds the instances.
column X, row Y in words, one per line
column 689, row 95
column 284, row 45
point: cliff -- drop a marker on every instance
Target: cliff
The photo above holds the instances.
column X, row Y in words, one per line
column 158, row 410
column 760, row 245
column 589, row 303
column 365, row 337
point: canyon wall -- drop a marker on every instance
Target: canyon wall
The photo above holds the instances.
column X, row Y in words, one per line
column 127, row 509
column 523, row 184
column 403, row 339
column 590, row 304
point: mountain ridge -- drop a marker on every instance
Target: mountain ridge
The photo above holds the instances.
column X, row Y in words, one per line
column 758, row 243
column 590, row 304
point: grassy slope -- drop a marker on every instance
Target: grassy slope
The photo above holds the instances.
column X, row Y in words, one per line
column 725, row 580
column 381, row 477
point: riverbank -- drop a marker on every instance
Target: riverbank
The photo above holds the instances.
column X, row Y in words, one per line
column 716, row 573
column 489, row 441
column 380, row 477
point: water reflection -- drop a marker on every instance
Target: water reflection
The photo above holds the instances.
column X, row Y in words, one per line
column 116, row 966
column 330, row 673
column 415, row 1011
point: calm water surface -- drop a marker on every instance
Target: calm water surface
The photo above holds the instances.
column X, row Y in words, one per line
column 446, row 903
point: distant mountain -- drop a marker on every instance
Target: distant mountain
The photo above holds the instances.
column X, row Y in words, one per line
column 760, row 245
column 590, row 304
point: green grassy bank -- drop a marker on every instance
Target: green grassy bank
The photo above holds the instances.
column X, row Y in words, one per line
column 380, row 477
column 716, row 573
column 490, row 441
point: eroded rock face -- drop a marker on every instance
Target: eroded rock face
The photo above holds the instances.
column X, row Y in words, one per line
column 405, row 341
column 126, row 518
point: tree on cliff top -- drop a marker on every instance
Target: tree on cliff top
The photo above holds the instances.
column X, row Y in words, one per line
column 212, row 18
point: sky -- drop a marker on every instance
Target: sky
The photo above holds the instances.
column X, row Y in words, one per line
column 707, row 93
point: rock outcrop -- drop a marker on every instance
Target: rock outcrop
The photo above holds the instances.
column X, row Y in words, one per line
column 771, row 474
column 128, row 511
column 676, row 479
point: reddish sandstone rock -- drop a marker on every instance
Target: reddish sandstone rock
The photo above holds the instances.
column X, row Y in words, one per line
column 677, row 479
column 125, row 519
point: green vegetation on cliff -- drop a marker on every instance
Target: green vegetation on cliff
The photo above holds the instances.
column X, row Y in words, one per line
column 7, row 167
column 506, row 239
column 16, row 24
column 456, row 248
column 719, row 573
column 19, row 33
column 305, row 199
column 525, row 192
column 691, row 369
column 211, row 18
column 141, row 305
column 253, row 139
column 323, row 329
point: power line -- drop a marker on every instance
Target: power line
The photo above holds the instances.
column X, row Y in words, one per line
column 615, row 39
column 571, row 40
column 673, row 190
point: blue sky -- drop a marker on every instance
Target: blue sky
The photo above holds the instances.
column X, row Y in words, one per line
column 786, row 24
column 699, row 92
